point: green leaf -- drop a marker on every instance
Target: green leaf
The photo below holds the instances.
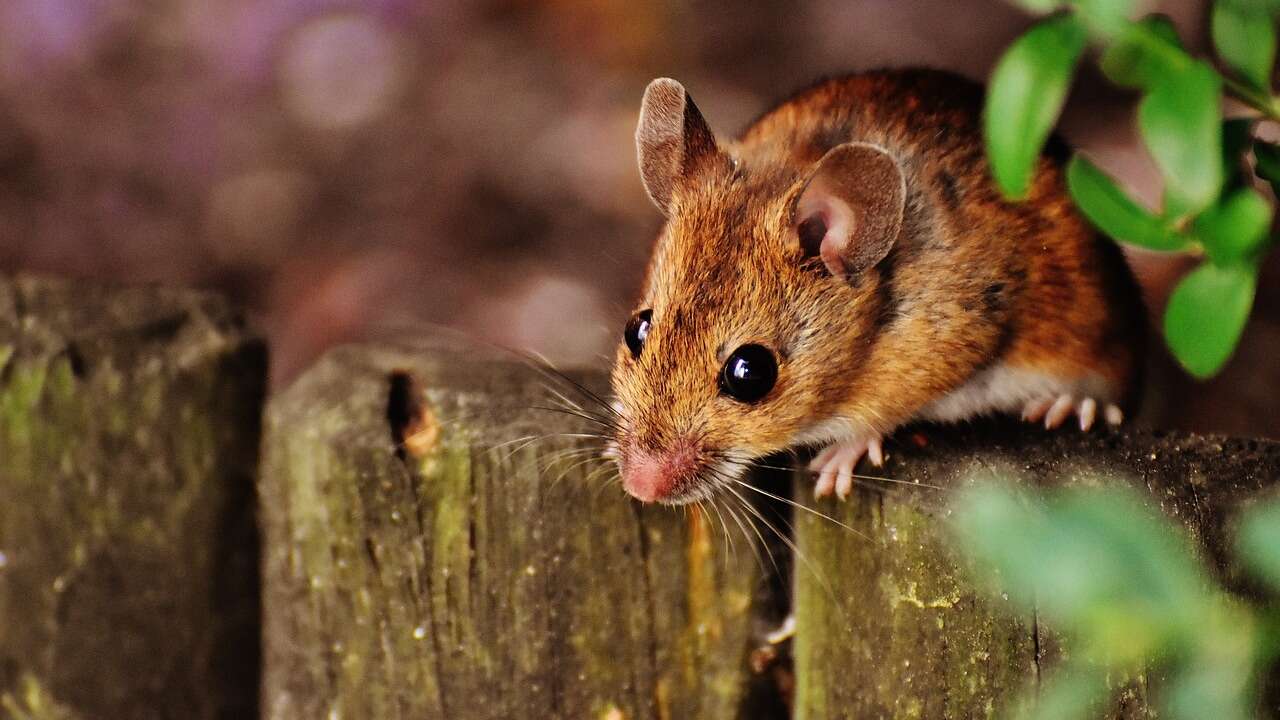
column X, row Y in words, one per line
column 1245, row 38
column 1105, row 17
column 1213, row 687
column 1143, row 52
column 1206, row 315
column 1151, row 562
column 1107, row 207
column 1236, row 228
column 995, row 525
column 1027, row 90
column 1180, row 120
column 1073, row 692
column 1259, row 6
column 1258, row 541
column 1097, row 563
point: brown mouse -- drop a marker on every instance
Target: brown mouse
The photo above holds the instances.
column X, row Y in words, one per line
column 845, row 266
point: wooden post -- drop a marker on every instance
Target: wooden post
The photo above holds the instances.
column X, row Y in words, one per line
column 423, row 561
column 441, row 540
column 129, row 430
column 888, row 625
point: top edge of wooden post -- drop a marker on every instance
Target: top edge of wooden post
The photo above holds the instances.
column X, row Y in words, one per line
column 39, row 314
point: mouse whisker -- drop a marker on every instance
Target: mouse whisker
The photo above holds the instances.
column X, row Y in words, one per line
column 609, row 482
column 486, row 417
column 606, row 424
column 786, row 538
column 573, row 452
column 573, row 466
column 512, row 441
column 702, row 504
column 716, row 505
column 856, row 476
column 576, row 435
column 762, row 546
column 584, row 460
column 525, row 441
column 565, row 400
column 801, row 506
column 549, row 371
column 756, row 549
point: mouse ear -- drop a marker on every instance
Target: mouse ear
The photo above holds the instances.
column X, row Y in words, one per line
column 671, row 139
column 850, row 211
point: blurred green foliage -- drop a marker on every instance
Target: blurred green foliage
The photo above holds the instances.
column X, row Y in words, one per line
column 1209, row 206
column 1122, row 586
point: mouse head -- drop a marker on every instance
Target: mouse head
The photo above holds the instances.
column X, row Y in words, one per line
column 760, row 303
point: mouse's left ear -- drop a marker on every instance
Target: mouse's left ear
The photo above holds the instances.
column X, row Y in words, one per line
column 850, row 211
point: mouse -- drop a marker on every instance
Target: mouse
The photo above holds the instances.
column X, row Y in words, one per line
column 844, row 266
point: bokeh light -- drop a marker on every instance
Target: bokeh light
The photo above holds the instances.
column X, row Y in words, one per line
column 339, row 71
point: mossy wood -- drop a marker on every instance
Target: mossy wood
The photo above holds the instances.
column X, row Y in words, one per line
column 888, row 625
column 422, row 560
column 441, row 540
column 129, row 432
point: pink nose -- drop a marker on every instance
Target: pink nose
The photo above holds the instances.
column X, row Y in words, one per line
column 646, row 478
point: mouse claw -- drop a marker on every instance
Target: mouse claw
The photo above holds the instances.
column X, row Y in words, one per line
column 1034, row 411
column 1055, row 411
column 821, row 464
column 835, row 465
column 1087, row 412
column 844, row 476
column 875, row 452
column 1061, row 408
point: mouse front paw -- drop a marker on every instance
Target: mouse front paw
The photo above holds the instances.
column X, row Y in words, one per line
column 835, row 464
column 1055, row 411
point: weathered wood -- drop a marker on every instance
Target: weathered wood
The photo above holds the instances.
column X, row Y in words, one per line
column 469, row 576
column 889, row 625
column 410, row 585
column 129, row 430
column 423, row 561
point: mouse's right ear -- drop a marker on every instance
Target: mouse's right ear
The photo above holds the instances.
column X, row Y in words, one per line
column 671, row 139
column 850, row 211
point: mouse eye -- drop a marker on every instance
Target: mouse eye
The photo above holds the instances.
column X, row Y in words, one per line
column 637, row 330
column 749, row 373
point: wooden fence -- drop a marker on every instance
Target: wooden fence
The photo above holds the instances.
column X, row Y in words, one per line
column 433, row 544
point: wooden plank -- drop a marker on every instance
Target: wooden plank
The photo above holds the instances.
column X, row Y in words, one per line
column 129, row 432
column 473, row 575
column 888, row 625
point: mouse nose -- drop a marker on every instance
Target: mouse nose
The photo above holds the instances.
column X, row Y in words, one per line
column 650, row 477
column 643, row 478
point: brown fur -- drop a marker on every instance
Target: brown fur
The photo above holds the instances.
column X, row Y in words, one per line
column 971, row 280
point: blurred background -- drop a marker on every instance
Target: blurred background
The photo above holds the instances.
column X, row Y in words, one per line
column 339, row 168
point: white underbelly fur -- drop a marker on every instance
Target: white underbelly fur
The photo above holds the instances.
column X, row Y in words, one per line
column 1002, row 389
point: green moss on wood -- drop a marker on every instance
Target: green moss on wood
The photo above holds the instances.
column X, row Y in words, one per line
column 29, row 700
column 889, row 625
column 125, row 478
column 483, row 578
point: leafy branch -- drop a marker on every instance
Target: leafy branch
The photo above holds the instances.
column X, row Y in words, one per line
column 1210, row 206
